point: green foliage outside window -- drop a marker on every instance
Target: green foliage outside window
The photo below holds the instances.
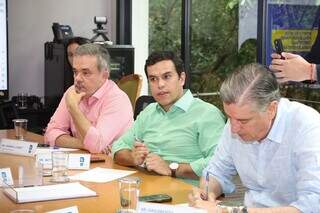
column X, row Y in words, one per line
column 214, row 43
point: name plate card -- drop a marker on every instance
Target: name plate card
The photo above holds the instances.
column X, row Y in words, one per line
column 79, row 161
column 18, row 147
column 45, row 159
column 5, row 176
column 144, row 207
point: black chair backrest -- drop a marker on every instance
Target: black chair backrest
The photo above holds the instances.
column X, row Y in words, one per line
column 141, row 103
column 8, row 111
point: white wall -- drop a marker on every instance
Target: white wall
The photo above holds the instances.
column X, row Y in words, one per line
column 140, row 38
column 29, row 28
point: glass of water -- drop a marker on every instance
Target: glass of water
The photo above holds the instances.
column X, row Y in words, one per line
column 60, row 167
column 129, row 194
column 20, row 126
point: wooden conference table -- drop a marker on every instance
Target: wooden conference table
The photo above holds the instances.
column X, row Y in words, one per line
column 108, row 193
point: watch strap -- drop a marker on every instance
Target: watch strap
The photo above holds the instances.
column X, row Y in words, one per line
column 173, row 173
column 244, row 210
column 233, row 209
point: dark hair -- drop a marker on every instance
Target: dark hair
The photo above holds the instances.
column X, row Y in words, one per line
column 78, row 40
column 158, row 56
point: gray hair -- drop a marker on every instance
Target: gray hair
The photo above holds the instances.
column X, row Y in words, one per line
column 252, row 83
column 100, row 52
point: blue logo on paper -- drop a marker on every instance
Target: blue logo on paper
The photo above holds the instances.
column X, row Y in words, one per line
column 81, row 161
column 30, row 148
column 4, row 176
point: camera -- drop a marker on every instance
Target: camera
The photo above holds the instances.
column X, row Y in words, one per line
column 100, row 31
column 100, row 20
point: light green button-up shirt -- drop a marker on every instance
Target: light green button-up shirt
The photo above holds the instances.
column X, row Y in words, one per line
column 187, row 133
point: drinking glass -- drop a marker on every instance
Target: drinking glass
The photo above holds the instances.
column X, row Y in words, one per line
column 38, row 173
column 60, row 167
column 129, row 194
column 20, row 126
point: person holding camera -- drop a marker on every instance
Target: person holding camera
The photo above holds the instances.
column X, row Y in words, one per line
column 270, row 142
column 94, row 111
column 293, row 67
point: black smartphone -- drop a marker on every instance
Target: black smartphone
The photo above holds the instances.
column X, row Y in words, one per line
column 278, row 46
column 95, row 159
column 43, row 145
column 156, row 198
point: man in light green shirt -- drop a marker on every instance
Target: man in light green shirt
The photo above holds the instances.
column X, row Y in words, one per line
column 177, row 135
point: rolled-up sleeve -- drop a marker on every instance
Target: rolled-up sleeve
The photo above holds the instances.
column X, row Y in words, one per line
column 209, row 130
column 59, row 123
column 126, row 141
column 307, row 161
column 221, row 165
column 115, row 118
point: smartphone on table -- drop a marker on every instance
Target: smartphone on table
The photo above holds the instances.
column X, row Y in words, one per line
column 43, row 145
column 96, row 159
column 156, row 198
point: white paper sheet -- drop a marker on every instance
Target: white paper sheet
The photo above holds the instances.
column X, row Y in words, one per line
column 72, row 209
column 101, row 175
column 182, row 204
column 50, row 192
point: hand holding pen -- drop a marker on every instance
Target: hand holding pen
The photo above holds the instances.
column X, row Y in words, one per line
column 205, row 194
column 139, row 152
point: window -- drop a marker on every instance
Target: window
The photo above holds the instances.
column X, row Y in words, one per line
column 223, row 36
column 214, row 44
column 214, row 39
column 165, row 25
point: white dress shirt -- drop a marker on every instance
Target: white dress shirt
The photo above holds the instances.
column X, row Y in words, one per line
column 281, row 170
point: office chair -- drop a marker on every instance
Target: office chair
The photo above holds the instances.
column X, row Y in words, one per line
column 131, row 85
column 8, row 111
column 141, row 103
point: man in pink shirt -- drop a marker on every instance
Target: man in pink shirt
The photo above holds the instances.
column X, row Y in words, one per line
column 94, row 110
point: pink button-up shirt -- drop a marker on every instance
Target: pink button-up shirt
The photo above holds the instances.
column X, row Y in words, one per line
column 109, row 110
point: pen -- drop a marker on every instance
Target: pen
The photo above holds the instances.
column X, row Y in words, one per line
column 143, row 165
column 205, row 196
column 139, row 140
column 207, row 186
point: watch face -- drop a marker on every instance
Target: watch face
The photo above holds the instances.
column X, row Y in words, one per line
column 174, row 166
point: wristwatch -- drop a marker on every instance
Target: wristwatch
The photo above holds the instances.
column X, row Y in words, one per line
column 244, row 209
column 173, row 167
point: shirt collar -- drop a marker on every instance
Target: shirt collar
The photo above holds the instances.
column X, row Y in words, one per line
column 275, row 133
column 99, row 93
column 183, row 103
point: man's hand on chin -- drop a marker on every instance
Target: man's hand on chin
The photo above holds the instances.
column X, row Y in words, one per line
column 74, row 97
